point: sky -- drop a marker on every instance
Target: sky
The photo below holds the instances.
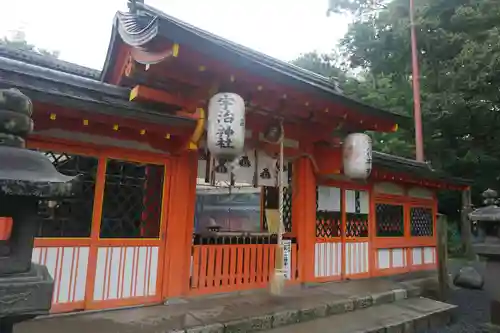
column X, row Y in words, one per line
column 80, row 29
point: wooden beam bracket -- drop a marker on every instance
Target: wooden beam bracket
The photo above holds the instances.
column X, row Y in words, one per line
column 144, row 93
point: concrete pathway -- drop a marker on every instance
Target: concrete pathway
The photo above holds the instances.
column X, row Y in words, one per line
column 241, row 312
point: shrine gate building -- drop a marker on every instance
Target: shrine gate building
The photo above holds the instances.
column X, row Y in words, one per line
column 155, row 221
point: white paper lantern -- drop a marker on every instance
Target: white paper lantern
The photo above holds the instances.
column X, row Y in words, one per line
column 226, row 126
column 357, row 156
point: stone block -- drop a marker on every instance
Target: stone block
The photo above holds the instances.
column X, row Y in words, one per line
column 319, row 311
column 211, row 328
column 421, row 324
column 383, row 297
column 340, row 306
column 253, row 324
column 439, row 319
column 261, row 323
column 395, row 328
column 287, row 317
column 375, row 330
column 409, row 327
column 400, row 294
column 362, row 302
column 413, row 291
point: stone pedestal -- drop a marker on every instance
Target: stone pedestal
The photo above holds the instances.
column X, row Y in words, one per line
column 26, row 178
column 490, row 250
column 488, row 247
column 27, row 294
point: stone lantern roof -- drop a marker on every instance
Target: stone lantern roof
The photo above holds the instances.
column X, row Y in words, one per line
column 491, row 211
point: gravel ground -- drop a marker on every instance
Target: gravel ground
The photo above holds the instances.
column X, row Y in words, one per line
column 473, row 306
column 473, row 310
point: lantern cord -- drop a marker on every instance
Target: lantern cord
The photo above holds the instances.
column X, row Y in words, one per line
column 280, row 184
column 278, row 281
column 230, row 169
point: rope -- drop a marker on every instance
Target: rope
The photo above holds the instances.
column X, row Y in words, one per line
column 280, row 184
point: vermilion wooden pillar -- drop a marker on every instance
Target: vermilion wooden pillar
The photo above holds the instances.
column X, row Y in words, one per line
column 180, row 223
column 304, row 215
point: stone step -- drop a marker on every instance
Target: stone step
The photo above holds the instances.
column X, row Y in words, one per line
column 413, row 315
column 251, row 311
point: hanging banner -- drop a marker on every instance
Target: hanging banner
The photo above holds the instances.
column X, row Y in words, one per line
column 219, row 171
column 226, row 126
column 244, row 167
column 287, row 258
column 266, row 169
column 357, row 156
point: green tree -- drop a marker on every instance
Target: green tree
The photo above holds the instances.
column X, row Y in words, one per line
column 327, row 65
column 459, row 56
column 357, row 7
column 363, row 87
column 18, row 41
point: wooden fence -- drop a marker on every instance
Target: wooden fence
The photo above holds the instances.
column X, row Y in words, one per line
column 225, row 268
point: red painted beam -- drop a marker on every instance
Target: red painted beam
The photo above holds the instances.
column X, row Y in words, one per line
column 143, row 93
column 43, row 110
column 155, row 140
column 385, row 175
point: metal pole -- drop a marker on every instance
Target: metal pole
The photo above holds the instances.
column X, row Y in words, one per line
column 417, row 113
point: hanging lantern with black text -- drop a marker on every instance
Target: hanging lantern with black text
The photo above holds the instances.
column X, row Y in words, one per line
column 357, row 156
column 226, row 126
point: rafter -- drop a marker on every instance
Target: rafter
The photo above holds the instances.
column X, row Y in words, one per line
column 44, row 111
column 274, row 101
column 71, row 125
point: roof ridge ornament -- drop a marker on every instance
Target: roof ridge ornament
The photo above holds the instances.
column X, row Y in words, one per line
column 490, row 197
column 24, row 172
column 132, row 5
column 490, row 212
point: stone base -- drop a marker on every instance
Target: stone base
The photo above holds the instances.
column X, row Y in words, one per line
column 24, row 296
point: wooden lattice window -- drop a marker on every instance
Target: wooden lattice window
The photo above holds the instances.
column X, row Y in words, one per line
column 389, row 220
column 357, row 208
column 328, row 212
column 70, row 217
column 328, row 224
column 421, row 221
column 356, row 225
column 132, row 200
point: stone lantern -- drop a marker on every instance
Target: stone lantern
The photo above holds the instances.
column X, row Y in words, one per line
column 26, row 178
column 488, row 247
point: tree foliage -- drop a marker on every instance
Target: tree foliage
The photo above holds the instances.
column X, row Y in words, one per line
column 18, row 41
column 357, row 7
column 362, row 88
column 459, row 57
